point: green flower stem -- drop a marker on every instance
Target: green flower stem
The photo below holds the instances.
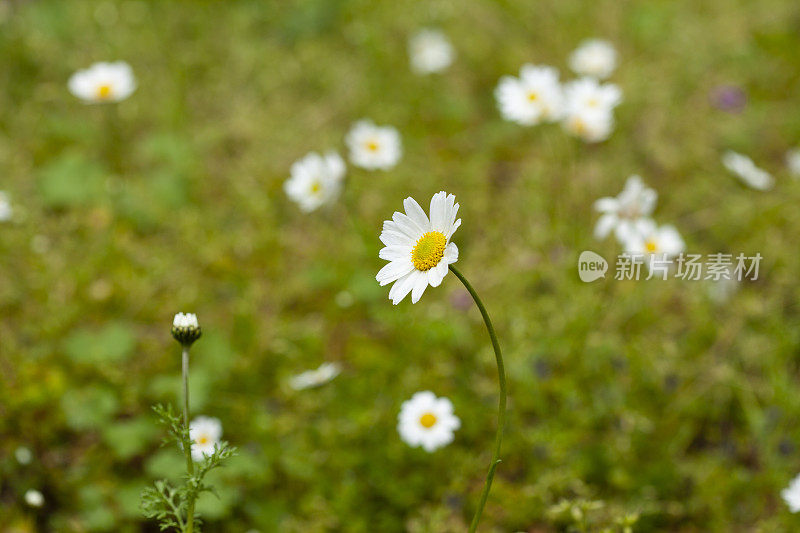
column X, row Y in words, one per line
column 187, row 449
column 501, row 408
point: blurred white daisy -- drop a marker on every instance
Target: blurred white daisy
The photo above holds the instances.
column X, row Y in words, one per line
column 418, row 249
column 34, row 498
column 793, row 161
column 588, row 93
column 205, row 433
column 103, row 82
column 5, row 207
column 430, row 51
column 23, row 455
column 589, row 108
column 315, row 378
column 594, row 57
column 315, row 180
column 427, row 421
column 791, row 495
column 747, row 171
column 589, row 125
column 652, row 242
column 373, row 147
column 532, row 98
column 619, row 214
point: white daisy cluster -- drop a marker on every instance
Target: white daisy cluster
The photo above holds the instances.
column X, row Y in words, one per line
column 6, row 210
column 314, row 378
column 427, row 421
column 317, row 180
column 103, row 82
column 628, row 216
column 205, row 433
column 746, row 170
column 791, row 495
column 429, row 51
column 418, row 249
column 584, row 106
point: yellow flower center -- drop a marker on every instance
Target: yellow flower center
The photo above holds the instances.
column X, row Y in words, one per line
column 593, row 102
column 372, row 146
column 532, row 96
column 650, row 246
column 104, row 91
column 202, row 439
column 428, row 251
column 427, row 420
column 316, row 187
column 579, row 126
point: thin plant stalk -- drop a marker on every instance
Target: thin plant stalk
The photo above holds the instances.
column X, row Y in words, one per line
column 501, row 407
column 187, row 449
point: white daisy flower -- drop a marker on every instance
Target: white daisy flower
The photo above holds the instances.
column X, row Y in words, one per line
column 430, row 51
column 427, row 421
column 5, row 207
column 747, row 171
column 589, row 125
column 315, row 180
column 315, row 378
column 373, row 147
column 205, row 433
column 595, row 57
column 589, row 94
column 791, row 495
column 103, row 82
column 652, row 242
column 793, row 162
column 23, row 455
column 636, row 201
column 532, row 98
column 185, row 320
column 34, row 498
column 418, row 250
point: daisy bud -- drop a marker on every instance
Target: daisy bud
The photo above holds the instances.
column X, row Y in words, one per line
column 186, row 329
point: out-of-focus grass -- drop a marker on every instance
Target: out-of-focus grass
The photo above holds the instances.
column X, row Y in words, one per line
column 646, row 396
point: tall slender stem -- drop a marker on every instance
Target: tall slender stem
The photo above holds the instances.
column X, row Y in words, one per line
column 501, row 407
column 187, row 449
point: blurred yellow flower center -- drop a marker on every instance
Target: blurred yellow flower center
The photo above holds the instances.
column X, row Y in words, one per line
column 427, row 420
column 428, row 251
column 316, row 187
column 202, row 439
column 593, row 102
column 104, row 91
column 650, row 246
column 532, row 96
column 372, row 146
column 579, row 126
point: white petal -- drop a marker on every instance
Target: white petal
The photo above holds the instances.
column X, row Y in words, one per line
column 393, row 271
column 420, row 285
column 415, row 213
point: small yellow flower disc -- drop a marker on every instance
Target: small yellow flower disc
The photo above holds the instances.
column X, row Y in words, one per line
column 104, row 91
column 650, row 246
column 372, row 146
column 532, row 96
column 427, row 420
column 428, row 251
column 316, row 187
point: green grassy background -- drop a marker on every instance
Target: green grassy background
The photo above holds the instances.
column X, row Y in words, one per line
column 640, row 398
